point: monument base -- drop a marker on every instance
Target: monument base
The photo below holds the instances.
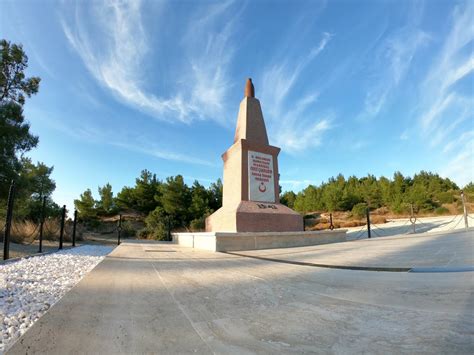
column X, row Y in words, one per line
column 224, row 241
column 250, row 216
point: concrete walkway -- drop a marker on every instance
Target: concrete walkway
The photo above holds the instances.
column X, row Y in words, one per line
column 440, row 250
column 159, row 298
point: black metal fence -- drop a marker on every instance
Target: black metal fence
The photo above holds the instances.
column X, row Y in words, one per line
column 23, row 237
column 413, row 224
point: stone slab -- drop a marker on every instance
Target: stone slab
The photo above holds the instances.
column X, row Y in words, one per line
column 222, row 241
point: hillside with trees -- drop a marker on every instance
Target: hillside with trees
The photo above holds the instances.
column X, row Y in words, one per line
column 160, row 204
column 425, row 192
column 173, row 204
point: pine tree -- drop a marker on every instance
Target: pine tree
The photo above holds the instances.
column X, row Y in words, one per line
column 85, row 205
column 106, row 202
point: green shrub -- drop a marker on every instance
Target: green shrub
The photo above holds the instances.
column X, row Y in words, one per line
column 310, row 222
column 143, row 233
column 128, row 230
column 198, row 224
column 441, row 210
column 403, row 208
column 445, row 197
column 359, row 210
column 92, row 224
column 157, row 224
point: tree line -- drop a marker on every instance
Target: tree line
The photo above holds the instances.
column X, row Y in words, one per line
column 173, row 204
column 425, row 191
column 163, row 204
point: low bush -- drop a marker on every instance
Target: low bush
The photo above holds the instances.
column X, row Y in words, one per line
column 198, row 224
column 128, row 231
column 359, row 210
column 157, row 225
column 143, row 233
column 441, row 210
column 310, row 222
column 445, row 197
column 402, row 209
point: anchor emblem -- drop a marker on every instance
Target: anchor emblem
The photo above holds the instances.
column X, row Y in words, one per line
column 262, row 187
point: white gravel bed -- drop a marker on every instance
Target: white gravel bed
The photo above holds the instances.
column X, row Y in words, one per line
column 30, row 286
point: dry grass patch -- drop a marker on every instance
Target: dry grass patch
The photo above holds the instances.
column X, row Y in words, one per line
column 26, row 232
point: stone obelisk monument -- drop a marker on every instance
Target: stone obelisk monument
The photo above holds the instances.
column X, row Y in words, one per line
column 251, row 191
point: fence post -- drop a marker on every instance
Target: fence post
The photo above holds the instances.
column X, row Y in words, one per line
column 43, row 207
column 331, row 226
column 119, row 229
column 466, row 224
column 61, row 233
column 74, row 229
column 412, row 219
column 8, row 221
column 169, row 228
column 368, row 223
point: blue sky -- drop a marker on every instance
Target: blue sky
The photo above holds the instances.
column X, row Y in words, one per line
column 352, row 87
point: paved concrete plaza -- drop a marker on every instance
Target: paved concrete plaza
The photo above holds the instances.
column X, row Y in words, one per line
column 443, row 251
column 160, row 298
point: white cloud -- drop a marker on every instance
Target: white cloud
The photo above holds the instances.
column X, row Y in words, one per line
column 444, row 108
column 292, row 125
column 210, row 54
column 115, row 51
column 460, row 166
column 163, row 154
column 118, row 138
column 392, row 61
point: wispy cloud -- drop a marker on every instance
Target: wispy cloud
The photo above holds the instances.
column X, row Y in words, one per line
column 445, row 107
column 118, row 138
column 163, row 154
column 210, row 54
column 292, row 125
column 115, row 52
column 391, row 60
column 440, row 96
column 459, row 167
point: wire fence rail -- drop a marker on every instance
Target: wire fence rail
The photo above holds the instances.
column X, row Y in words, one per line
column 413, row 225
column 28, row 237
column 25, row 233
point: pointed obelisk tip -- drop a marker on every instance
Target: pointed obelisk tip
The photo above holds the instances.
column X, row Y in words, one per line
column 249, row 89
